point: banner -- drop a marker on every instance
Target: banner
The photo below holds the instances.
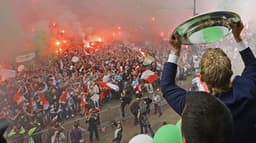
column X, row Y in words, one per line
column 148, row 60
column 24, row 58
column 6, row 74
column 149, row 76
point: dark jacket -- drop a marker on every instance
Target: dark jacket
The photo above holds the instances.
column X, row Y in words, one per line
column 93, row 123
column 135, row 107
column 75, row 135
column 240, row 99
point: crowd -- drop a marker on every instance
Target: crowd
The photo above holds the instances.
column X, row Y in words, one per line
column 76, row 82
column 49, row 91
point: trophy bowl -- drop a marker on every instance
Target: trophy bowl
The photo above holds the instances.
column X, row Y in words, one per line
column 207, row 28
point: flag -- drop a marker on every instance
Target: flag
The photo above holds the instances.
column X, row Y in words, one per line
column 113, row 86
column 44, row 101
column 7, row 73
column 22, row 130
column 86, row 53
column 11, row 133
column 148, row 60
column 108, row 85
column 61, row 64
column 63, row 97
column 26, row 57
column 103, row 93
column 18, row 98
column 149, row 76
column 202, row 86
column 83, row 104
column 54, row 120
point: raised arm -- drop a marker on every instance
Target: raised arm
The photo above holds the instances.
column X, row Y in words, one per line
column 245, row 52
column 174, row 94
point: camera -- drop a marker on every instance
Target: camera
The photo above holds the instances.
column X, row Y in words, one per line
column 113, row 124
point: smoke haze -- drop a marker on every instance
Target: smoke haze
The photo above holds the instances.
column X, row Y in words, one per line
column 20, row 17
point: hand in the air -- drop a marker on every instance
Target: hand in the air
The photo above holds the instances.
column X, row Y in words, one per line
column 236, row 30
column 175, row 42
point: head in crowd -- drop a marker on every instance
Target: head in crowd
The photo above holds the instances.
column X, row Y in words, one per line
column 205, row 119
column 216, row 70
column 76, row 124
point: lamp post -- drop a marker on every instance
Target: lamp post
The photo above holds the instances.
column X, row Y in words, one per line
column 194, row 8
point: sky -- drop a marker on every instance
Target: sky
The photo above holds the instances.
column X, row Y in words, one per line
column 19, row 17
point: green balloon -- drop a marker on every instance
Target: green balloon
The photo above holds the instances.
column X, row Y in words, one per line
column 168, row 134
column 178, row 125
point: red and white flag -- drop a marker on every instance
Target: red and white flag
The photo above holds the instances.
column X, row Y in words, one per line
column 108, row 85
column 63, row 97
column 149, row 76
column 18, row 98
column 103, row 94
column 54, row 120
column 83, row 104
column 44, row 101
column 7, row 73
column 61, row 64
column 202, row 86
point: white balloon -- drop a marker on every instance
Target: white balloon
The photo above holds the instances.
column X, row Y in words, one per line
column 141, row 138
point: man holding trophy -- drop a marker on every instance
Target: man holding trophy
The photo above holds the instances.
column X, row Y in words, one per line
column 238, row 95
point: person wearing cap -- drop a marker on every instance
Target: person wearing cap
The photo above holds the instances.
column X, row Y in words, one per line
column 58, row 137
column 238, row 95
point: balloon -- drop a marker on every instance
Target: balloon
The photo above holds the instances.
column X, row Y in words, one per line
column 141, row 138
column 178, row 124
column 168, row 134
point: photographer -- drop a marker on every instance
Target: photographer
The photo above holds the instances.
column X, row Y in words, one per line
column 134, row 109
column 93, row 121
column 58, row 137
column 118, row 132
column 125, row 100
column 157, row 102
column 143, row 119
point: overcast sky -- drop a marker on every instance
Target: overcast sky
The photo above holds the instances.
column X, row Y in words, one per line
column 18, row 17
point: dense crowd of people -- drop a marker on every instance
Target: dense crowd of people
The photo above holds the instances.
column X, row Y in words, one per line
column 49, row 91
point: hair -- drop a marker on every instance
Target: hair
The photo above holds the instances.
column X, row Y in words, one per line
column 76, row 124
column 216, row 70
column 205, row 119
